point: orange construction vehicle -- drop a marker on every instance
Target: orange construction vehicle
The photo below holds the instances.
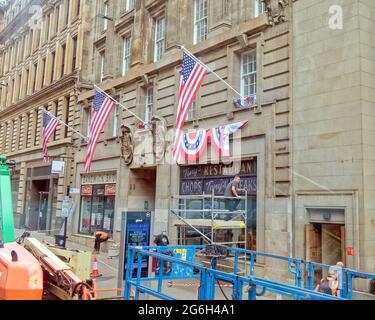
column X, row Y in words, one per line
column 21, row 276
column 28, row 269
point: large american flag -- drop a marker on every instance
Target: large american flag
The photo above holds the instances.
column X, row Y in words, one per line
column 101, row 110
column 192, row 76
column 49, row 126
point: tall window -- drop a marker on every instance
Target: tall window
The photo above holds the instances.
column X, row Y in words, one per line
column 249, row 75
column 63, row 53
column 192, row 114
column 105, row 22
column 67, row 106
column 200, row 21
column 258, row 8
column 43, row 72
column 149, row 104
column 159, row 38
column 127, row 55
column 53, row 62
column 74, row 58
column 57, row 18
column 129, row 5
column 116, row 115
column 78, row 7
column 67, row 9
column 48, row 21
column 102, row 61
column 35, row 76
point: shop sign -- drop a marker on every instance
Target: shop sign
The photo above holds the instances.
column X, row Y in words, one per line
column 65, row 208
column 74, row 191
column 86, row 190
column 110, row 189
column 99, row 178
column 205, row 179
column 58, row 167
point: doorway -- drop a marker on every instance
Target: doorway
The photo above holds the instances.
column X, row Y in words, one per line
column 325, row 243
column 37, row 200
column 142, row 189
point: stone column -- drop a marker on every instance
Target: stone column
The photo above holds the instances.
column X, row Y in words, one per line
column 219, row 19
column 162, row 200
column 138, row 32
column 173, row 30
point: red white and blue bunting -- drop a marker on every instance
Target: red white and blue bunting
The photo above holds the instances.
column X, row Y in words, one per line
column 220, row 137
column 240, row 103
column 194, row 143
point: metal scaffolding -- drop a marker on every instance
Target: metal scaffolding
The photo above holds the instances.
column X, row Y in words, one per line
column 209, row 217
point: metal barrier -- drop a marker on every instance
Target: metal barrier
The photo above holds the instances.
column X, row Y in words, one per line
column 208, row 276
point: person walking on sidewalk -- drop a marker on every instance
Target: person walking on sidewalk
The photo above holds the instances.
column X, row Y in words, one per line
column 232, row 199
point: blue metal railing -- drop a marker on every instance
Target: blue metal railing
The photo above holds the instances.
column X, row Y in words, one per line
column 208, row 276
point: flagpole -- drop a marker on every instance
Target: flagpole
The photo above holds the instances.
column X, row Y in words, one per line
column 210, row 70
column 66, row 125
column 117, row 102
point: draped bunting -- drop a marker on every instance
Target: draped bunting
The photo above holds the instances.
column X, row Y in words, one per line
column 220, row 137
column 194, row 143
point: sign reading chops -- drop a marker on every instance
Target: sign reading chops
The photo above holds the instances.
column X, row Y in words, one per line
column 203, row 179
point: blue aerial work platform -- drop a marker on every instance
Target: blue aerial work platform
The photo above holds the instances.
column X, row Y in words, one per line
column 244, row 286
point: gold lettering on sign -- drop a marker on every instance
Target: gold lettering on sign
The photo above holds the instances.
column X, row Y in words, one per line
column 99, row 178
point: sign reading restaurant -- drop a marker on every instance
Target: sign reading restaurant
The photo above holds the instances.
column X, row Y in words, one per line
column 203, row 179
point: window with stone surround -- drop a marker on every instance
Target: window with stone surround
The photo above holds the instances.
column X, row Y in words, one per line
column 101, row 65
column 105, row 13
column 149, row 104
column 259, row 8
column 129, row 5
column 74, row 57
column 192, row 114
column 249, row 75
column 159, row 38
column 126, row 55
column 57, row 18
column 116, row 118
column 63, row 54
column 200, row 21
column 67, row 12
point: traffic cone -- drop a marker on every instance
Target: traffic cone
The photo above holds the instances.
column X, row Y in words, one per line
column 95, row 271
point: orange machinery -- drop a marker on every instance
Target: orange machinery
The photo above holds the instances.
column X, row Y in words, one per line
column 21, row 276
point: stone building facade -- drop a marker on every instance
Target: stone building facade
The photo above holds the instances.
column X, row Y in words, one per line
column 333, row 132
column 40, row 62
column 308, row 144
column 136, row 58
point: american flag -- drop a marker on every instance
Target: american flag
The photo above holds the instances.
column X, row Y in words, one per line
column 192, row 76
column 49, row 126
column 101, row 110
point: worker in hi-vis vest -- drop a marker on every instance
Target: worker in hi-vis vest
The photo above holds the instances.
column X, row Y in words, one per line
column 100, row 237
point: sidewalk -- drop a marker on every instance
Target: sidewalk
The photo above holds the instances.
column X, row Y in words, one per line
column 108, row 267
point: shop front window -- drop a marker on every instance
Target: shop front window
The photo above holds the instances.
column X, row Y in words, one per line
column 97, row 210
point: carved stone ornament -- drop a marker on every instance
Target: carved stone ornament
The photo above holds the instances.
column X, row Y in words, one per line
column 127, row 147
column 159, row 129
column 275, row 10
